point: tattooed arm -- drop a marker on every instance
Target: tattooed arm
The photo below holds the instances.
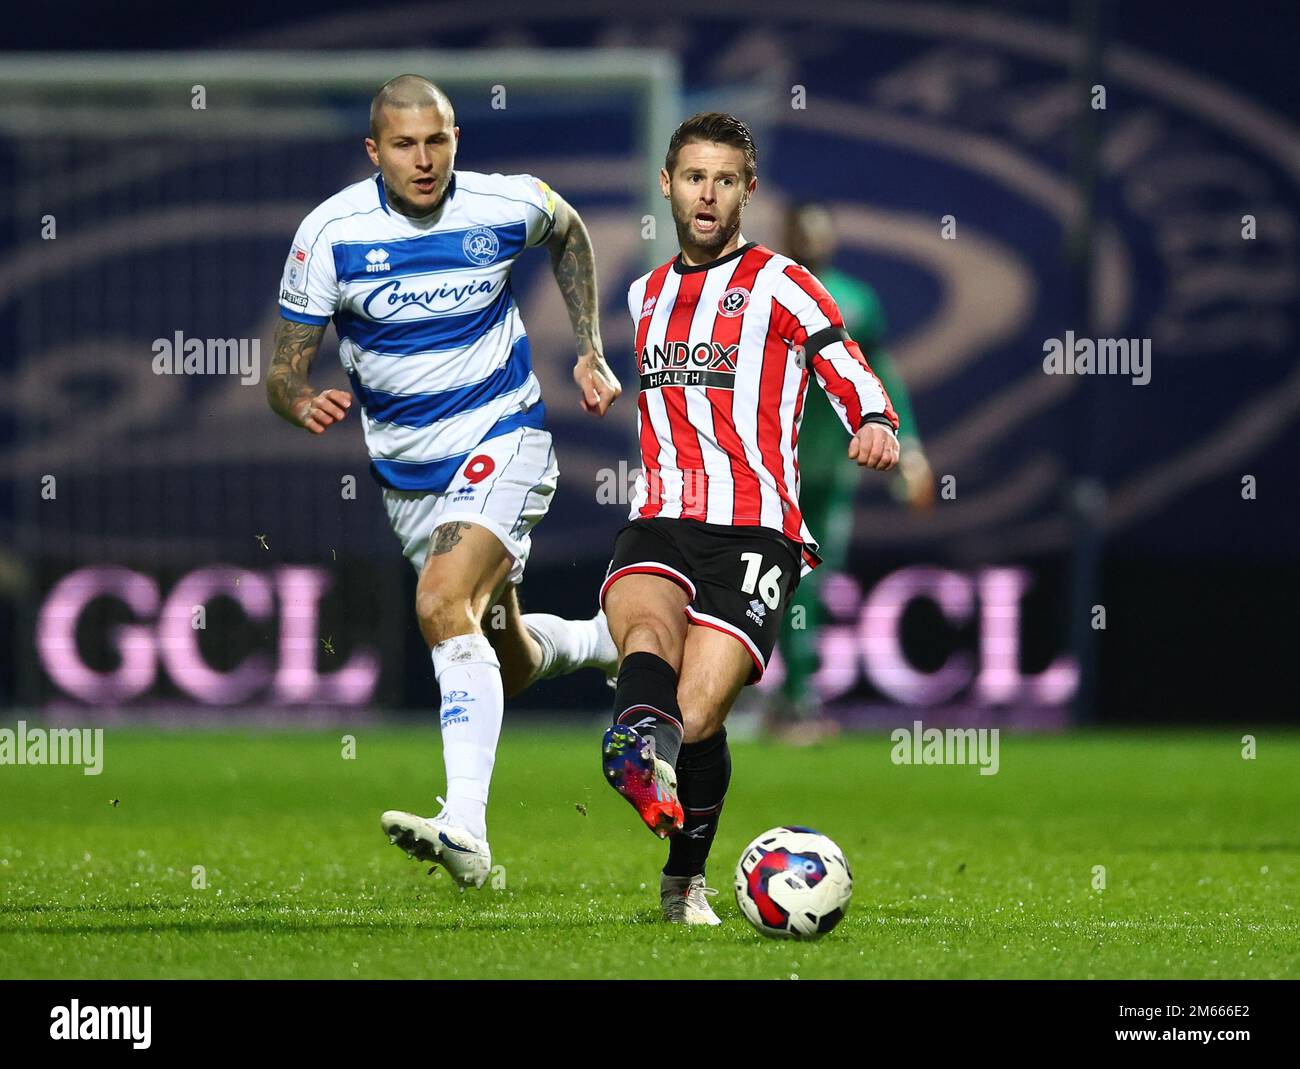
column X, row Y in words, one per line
column 287, row 388
column 574, row 265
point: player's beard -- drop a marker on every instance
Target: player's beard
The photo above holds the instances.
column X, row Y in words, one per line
column 408, row 208
column 709, row 243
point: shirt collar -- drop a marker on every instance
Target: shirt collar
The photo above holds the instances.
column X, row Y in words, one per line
column 687, row 269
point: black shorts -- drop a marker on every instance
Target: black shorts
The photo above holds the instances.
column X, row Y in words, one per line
column 739, row 579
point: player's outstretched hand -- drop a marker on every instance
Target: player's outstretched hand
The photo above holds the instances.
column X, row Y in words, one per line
column 598, row 383
column 320, row 410
column 874, row 447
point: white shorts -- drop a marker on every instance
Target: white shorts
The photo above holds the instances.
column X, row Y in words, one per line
column 504, row 485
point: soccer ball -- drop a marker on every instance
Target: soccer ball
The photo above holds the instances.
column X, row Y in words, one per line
column 793, row 883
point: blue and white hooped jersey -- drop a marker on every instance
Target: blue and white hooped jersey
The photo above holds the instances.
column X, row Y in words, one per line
column 429, row 332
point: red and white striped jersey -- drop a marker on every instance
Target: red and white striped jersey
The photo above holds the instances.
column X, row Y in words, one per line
column 724, row 352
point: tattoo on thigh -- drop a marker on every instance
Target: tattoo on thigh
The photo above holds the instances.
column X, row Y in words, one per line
column 446, row 537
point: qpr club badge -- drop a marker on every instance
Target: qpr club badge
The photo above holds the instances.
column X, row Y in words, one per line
column 733, row 302
column 480, row 246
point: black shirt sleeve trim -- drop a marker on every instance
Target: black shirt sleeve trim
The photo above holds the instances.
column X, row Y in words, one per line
column 817, row 342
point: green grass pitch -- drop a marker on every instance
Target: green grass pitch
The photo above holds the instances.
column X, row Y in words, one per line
column 956, row 874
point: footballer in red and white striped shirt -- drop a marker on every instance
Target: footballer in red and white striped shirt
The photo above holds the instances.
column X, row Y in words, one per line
column 729, row 337
column 725, row 351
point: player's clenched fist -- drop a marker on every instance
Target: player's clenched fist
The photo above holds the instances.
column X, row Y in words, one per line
column 874, row 447
column 320, row 410
column 599, row 385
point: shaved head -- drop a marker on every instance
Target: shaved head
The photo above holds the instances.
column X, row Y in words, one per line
column 413, row 139
column 407, row 91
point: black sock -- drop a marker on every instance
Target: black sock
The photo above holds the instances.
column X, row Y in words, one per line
column 703, row 773
column 646, row 699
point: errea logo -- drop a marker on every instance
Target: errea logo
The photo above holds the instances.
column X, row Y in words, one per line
column 377, row 260
column 455, row 714
column 757, row 612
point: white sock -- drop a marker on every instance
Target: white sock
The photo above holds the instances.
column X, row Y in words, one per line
column 568, row 645
column 469, row 676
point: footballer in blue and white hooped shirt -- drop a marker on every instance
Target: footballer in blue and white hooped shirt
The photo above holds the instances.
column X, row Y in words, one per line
column 413, row 267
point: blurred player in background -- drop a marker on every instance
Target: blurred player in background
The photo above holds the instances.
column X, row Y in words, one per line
column 826, row 486
column 413, row 265
column 728, row 335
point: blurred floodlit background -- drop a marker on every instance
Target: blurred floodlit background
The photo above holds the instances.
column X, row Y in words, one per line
column 978, row 182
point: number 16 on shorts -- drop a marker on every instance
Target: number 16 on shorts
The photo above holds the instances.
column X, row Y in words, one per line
column 767, row 584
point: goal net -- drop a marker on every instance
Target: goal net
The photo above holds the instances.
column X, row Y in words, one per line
column 153, row 198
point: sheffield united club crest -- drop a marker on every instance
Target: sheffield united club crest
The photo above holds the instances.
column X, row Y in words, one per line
column 733, row 302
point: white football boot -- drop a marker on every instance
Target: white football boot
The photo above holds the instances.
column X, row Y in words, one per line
column 684, row 901
column 467, row 859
